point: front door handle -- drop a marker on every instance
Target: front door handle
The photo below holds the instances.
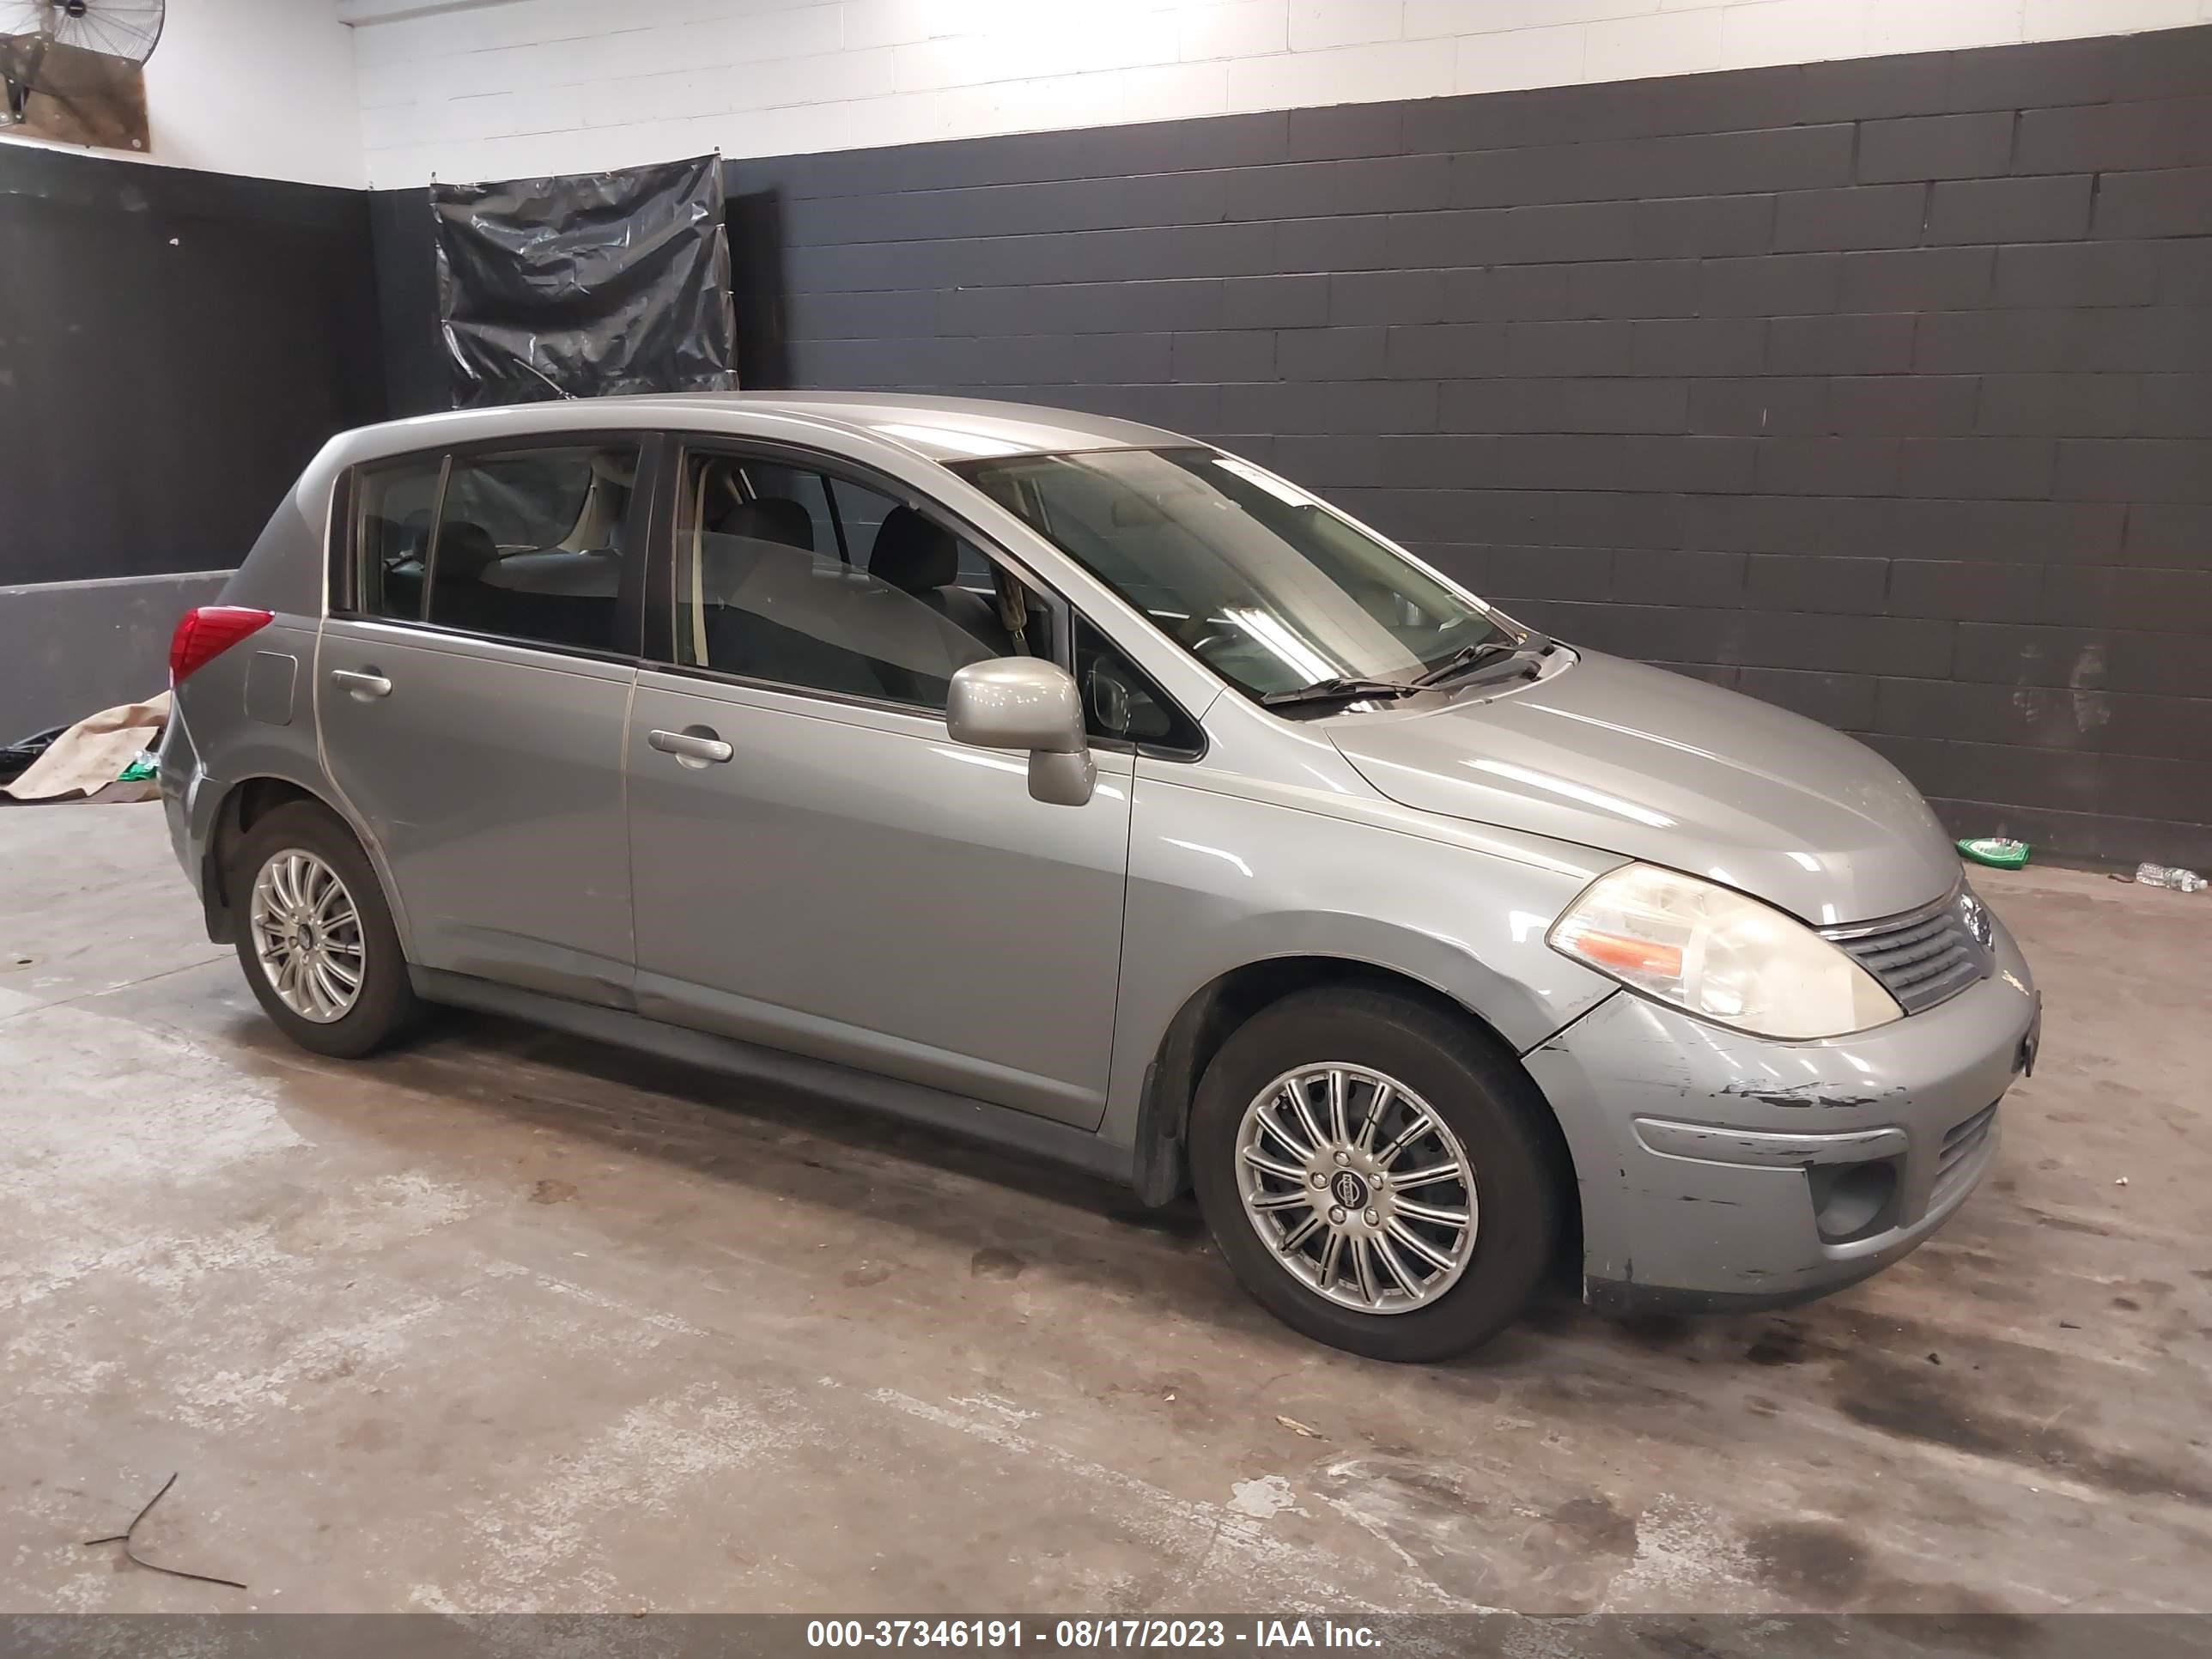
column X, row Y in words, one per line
column 361, row 684
column 698, row 746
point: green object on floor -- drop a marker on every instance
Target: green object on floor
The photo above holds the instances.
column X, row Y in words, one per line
column 1997, row 851
column 139, row 769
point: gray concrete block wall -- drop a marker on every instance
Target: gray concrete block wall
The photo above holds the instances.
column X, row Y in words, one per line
column 1878, row 389
column 70, row 649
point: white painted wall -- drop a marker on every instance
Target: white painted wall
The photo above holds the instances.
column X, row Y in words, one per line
column 506, row 89
column 264, row 88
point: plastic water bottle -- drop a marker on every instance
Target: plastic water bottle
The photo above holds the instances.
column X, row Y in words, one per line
column 2165, row 875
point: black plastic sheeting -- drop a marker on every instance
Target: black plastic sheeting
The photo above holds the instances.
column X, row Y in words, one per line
column 16, row 758
column 587, row 285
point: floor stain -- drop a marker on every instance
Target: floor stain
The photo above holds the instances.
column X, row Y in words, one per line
column 1597, row 1525
column 371, row 1434
column 1813, row 1560
column 992, row 1262
column 1656, row 1331
column 1264, row 1499
column 1921, row 1405
column 1781, row 1345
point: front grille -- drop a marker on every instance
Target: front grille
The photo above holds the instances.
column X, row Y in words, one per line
column 1959, row 1143
column 1922, row 958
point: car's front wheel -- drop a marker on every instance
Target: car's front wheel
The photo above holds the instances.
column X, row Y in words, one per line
column 315, row 934
column 1372, row 1168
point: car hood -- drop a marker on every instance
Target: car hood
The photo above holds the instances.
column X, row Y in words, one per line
column 1672, row 771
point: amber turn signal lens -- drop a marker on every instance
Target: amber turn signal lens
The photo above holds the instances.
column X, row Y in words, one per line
column 1642, row 956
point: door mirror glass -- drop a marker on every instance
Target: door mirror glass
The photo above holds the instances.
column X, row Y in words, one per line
column 1021, row 703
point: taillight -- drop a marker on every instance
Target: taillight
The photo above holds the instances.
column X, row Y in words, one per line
column 204, row 634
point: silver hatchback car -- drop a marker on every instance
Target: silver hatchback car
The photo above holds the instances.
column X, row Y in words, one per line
column 1078, row 785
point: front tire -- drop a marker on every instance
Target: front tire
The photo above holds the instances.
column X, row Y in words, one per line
column 315, row 936
column 1373, row 1170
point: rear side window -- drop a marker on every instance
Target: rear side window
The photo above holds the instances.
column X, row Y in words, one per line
column 398, row 505
column 522, row 545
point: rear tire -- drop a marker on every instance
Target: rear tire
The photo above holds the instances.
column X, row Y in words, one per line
column 315, row 934
column 1420, row 1271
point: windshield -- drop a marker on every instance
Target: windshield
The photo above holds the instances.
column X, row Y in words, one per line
column 1266, row 585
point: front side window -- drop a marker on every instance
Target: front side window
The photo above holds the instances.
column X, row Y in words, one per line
column 789, row 577
column 1267, row 586
column 522, row 545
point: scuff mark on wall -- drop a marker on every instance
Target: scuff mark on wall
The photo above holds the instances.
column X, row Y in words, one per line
column 2091, row 709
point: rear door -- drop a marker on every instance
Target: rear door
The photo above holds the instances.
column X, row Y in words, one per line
column 473, row 681
column 817, row 865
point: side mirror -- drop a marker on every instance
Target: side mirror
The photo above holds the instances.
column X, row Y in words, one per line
column 1020, row 702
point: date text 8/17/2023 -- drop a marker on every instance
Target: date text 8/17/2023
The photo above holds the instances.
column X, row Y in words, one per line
column 1253, row 1635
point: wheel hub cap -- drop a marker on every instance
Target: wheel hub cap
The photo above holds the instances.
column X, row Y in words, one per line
column 307, row 936
column 1357, row 1188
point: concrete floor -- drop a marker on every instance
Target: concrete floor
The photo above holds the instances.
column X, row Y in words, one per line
column 508, row 1322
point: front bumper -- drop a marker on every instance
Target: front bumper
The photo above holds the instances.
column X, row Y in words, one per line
column 1704, row 1155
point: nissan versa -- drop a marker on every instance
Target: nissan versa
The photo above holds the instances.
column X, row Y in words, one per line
column 1078, row 785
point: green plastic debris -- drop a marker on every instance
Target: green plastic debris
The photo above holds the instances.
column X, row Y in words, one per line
column 1997, row 851
column 139, row 769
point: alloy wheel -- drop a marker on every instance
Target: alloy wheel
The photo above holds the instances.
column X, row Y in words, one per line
column 307, row 936
column 1358, row 1187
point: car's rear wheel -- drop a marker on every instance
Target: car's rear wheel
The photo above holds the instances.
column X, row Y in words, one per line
column 1373, row 1170
column 315, row 936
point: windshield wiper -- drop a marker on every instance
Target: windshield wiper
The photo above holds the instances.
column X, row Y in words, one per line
column 1468, row 658
column 1337, row 688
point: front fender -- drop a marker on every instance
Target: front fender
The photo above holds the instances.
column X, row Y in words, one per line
column 1219, row 881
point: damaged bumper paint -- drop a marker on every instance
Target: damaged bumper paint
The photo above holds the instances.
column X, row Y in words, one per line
column 1720, row 1170
column 184, row 800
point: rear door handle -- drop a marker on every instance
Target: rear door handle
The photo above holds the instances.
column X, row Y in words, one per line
column 697, row 747
column 361, row 684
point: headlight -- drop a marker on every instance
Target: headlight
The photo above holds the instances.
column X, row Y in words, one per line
column 1715, row 953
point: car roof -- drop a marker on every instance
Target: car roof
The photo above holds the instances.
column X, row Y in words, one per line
column 944, row 429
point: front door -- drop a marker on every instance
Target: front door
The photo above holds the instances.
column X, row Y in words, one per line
column 473, row 690
column 815, row 863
